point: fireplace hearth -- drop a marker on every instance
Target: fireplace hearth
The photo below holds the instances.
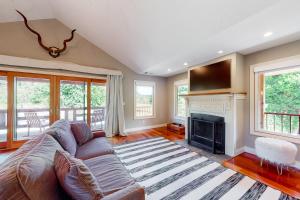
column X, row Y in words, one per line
column 207, row 132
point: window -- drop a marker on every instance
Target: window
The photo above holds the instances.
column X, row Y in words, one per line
column 32, row 106
column 144, row 99
column 181, row 88
column 73, row 100
column 30, row 102
column 3, row 109
column 276, row 101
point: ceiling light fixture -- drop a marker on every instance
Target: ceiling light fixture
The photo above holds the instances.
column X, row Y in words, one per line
column 220, row 52
column 185, row 64
column 267, row 34
column 169, row 70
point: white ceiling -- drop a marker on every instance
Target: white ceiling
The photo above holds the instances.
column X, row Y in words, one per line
column 34, row 9
column 156, row 35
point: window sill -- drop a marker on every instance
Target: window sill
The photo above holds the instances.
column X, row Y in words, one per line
column 146, row 117
column 180, row 118
column 290, row 138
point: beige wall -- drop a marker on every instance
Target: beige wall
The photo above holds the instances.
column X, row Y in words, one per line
column 16, row 40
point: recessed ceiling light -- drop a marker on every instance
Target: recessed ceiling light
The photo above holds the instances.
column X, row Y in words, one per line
column 267, row 34
column 220, row 52
column 169, row 70
column 185, row 64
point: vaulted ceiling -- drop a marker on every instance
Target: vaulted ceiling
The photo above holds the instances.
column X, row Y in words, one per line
column 158, row 36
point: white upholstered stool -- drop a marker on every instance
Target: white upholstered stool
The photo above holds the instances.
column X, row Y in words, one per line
column 280, row 152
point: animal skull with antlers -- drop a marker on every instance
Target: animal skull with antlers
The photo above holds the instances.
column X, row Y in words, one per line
column 53, row 51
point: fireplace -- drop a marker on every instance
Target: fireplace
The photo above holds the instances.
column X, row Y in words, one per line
column 207, row 132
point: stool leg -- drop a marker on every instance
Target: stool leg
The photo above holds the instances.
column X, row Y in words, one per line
column 261, row 162
column 279, row 169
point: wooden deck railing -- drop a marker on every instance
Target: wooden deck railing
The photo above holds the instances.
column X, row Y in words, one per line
column 143, row 110
column 285, row 120
column 70, row 114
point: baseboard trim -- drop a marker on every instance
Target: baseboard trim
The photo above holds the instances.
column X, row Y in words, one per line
column 132, row 130
column 252, row 151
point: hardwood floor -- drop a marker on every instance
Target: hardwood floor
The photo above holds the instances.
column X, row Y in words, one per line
column 249, row 165
column 150, row 133
column 244, row 163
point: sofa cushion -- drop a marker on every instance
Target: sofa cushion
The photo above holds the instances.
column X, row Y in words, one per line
column 9, row 183
column 111, row 175
column 61, row 131
column 81, row 132
column 35, row 171
column 75, row 177
column 93, row 148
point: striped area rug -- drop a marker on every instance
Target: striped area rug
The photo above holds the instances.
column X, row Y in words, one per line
column 169, row 171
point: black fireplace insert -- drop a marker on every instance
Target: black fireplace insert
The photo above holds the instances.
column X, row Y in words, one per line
column 207, row 132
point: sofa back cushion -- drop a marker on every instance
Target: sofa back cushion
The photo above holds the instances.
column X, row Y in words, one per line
column 61, row 131
column 75, row 177
column 29, row 172
column 81, row 132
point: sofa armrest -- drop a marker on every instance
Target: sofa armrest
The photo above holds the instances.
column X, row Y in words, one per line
column 98, row 134
column 132, row 192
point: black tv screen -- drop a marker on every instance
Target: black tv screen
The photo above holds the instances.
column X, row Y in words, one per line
column 211, row 77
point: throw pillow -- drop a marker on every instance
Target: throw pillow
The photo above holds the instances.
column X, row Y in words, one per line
column 61, row 131
column 75, row 177
column 81, row 132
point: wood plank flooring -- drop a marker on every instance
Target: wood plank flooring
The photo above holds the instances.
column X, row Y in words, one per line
column 249, row 165
column 150, row 133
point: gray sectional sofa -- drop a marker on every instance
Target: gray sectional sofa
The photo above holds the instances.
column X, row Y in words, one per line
column 29, row 172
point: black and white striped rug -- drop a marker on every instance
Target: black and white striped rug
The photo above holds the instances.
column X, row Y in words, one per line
column 169, row 171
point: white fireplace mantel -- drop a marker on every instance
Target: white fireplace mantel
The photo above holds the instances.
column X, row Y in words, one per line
column 229, row 106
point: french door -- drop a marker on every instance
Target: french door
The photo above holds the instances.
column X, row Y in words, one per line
column 30, row 103
column 3, row 109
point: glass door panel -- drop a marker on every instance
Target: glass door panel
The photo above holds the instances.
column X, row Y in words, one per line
column 98, row 101
column 32, row 106
column 73, row 100
column 3, row 110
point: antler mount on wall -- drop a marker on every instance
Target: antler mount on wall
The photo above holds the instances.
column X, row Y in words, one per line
column 53, row 51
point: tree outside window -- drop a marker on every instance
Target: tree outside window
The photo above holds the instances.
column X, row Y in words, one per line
column 180, row 107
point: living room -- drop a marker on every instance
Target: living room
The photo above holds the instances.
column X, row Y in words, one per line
column 149, row 99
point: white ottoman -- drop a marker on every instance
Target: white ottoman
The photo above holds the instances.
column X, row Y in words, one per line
column 280, row 152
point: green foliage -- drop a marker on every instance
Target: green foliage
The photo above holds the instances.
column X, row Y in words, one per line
column 98, row 97
column 32, row 94
column 72, row 95
column 283, row 93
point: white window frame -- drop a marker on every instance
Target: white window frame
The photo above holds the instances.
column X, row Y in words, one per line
column 145, row 83
column 285, row 63
column 176, row 85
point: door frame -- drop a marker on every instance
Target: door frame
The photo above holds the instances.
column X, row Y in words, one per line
column 5, row 143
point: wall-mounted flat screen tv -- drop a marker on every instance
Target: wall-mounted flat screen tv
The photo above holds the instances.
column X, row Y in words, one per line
column 211, row 77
